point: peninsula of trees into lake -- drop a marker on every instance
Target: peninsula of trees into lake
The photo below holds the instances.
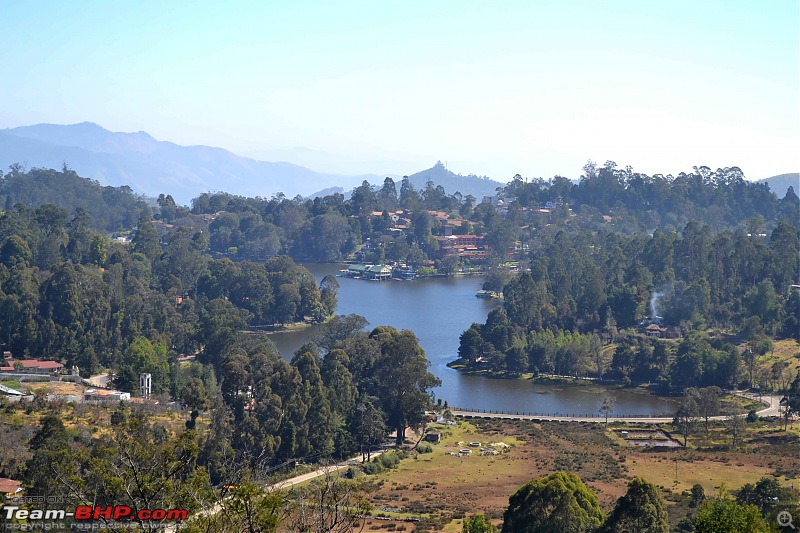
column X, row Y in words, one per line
column 683, row 285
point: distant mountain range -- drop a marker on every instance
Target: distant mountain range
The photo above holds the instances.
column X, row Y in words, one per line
column 152, row 167
column 780, row 184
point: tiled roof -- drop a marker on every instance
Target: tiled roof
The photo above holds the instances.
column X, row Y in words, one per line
column 33, row 363
column 9, row 486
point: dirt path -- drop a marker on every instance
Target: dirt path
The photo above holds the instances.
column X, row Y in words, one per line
column 286, row 483
column 100, row 380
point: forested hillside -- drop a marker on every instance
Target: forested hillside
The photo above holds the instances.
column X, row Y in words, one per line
column 109, row 209
column 638, row 202
column 584, row 290
column 594, row 269
column 598, row 278
column 68, row 292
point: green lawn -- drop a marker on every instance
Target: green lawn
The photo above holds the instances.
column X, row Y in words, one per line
column 11, row 383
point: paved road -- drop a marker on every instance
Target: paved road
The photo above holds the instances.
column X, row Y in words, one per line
column 771, row 402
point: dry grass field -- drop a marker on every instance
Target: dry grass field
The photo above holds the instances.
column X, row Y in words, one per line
column 440, row 489
column 787, row 353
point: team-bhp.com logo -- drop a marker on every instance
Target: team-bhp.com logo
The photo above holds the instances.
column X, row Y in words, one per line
column 90, row 512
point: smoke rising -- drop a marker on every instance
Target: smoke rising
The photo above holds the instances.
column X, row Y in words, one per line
column 654, row 298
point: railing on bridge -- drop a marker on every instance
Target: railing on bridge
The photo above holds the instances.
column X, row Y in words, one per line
column 468, row 412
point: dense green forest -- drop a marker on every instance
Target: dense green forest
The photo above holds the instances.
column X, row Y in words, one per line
column 638, row 202
column 69, row 293
column 332, row 228
column 109, row 209
column 587, row 289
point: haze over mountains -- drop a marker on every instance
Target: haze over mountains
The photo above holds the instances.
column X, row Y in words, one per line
column 780, row 184
column 152, row 167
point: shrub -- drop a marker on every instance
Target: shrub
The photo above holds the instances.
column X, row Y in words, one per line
column 389, row 460
column 372, row 468
column 424, row 447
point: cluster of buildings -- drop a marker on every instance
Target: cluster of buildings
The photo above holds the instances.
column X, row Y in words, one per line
column 468, row 247
column 35, row 369
column 449, row 235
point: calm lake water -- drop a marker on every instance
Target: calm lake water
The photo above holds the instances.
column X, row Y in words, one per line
column 438, row 310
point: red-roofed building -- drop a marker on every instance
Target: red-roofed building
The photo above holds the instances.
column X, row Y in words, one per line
column 654, row 330
column 469, row 247
column 10, row 488
column 32, row 366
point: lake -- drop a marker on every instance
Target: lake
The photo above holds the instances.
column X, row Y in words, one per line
column 438, row 310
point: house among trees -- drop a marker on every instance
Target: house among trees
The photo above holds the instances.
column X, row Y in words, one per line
column 32, row 366
column 552, row 204
column 10, row 488
column 654, row 330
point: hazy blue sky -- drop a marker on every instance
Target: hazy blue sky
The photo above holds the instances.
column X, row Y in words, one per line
column 491, row 87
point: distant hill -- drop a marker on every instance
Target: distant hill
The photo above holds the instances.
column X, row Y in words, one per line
column 780, row 183
column 329, row 191
column 477, row 186
column 151, row 167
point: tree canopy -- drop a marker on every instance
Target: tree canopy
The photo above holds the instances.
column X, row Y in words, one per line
column 558, row 503
column 640, row 509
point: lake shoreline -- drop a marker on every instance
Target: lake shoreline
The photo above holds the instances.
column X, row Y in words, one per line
column 547, row 379
column 438, row 310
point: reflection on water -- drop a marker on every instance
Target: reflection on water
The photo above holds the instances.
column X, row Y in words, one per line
column 438, row 310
